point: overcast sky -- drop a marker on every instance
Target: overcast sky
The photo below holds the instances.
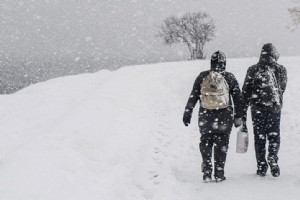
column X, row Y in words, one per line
column 126, row 29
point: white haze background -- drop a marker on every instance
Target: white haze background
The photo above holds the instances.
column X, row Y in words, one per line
column 125, row 29
column 118, row 134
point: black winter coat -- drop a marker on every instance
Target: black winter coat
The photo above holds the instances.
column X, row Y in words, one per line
column 216, row 121
column 269, row 57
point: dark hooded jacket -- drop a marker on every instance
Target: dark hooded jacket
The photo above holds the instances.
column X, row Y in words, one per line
column 216, row 121
column 269, row 56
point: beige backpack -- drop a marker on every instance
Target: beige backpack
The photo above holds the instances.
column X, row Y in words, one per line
column 214, row 92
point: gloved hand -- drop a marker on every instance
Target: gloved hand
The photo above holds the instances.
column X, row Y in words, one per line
column 244, row 127
column 186, row 119
column 238, row 122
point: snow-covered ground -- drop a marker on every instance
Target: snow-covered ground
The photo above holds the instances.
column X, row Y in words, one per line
column 119, row 135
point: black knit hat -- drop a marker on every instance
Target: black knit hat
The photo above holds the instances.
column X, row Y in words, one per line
column 218, row 61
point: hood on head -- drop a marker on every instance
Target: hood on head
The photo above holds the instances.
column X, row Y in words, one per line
column 218, row 62
column 269, row 54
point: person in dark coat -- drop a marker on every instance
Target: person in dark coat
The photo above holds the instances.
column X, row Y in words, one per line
column 215, row 125
column 265, row 116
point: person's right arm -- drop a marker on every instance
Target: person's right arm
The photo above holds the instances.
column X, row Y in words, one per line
column 247, row 91
column 192, row 101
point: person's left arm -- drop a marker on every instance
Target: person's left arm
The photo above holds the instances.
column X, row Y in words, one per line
column 235, row 93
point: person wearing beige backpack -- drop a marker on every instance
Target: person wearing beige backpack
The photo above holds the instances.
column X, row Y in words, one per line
column 215, row 89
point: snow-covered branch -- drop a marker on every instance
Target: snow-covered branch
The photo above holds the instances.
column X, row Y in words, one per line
column 193, row 29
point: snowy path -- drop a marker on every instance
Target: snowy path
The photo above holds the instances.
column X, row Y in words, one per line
column 119, row 135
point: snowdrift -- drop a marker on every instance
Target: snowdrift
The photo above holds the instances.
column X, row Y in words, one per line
column 119, row 135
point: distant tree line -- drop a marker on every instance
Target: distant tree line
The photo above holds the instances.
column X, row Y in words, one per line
column 18, row 72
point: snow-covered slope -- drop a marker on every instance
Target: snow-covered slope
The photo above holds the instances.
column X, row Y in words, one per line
column 119, row 135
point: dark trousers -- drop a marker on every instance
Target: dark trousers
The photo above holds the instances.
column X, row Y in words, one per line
column 218, row 142
column 266, row 126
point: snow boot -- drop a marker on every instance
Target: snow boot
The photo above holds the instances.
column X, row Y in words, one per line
column 262, row 170
column 206, row 175
column 275, row 170
column 261, row 173
column 207, row 178
column 220, row 179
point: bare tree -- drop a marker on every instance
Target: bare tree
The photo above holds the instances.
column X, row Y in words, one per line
column 295, row 13
column 192, row 29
